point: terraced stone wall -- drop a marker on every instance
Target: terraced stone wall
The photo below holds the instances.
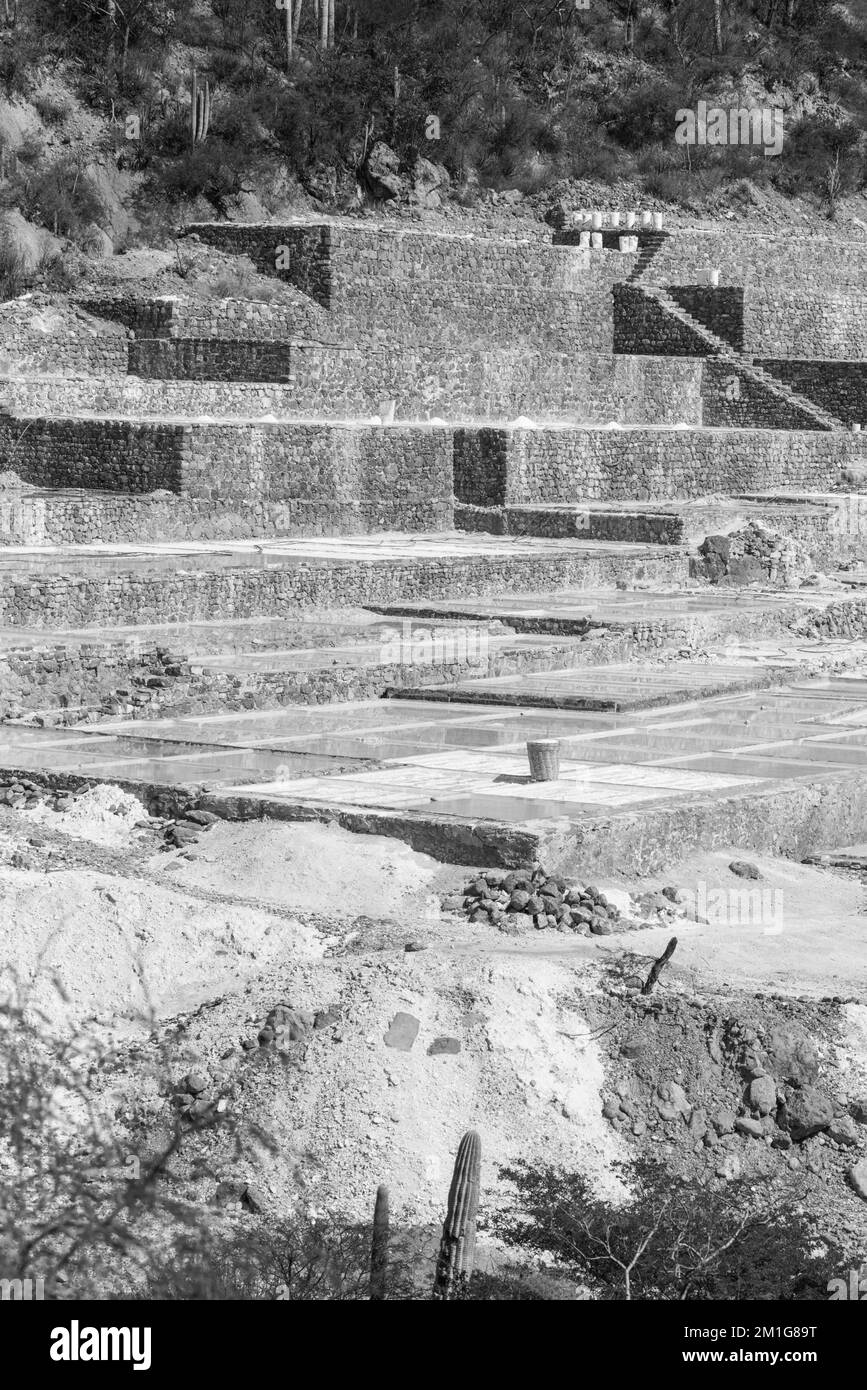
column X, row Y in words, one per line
column 840, row 387
column 38, row 336
column 642, row 325
column 392, row 467
column 719, row 308
column 250, row 319
column 804, row 296
column 291, row 476
column 210, row 359
column 734, row 399
column 420, row 287
column 800, row 264
column 108, row 455
column 494, row 467
column 82, row 518
column 806, row 323
column 494, row 384
column 188, row 591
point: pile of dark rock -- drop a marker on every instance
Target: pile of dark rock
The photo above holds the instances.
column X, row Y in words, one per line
column 22, row 794
column 753, row 555
column 286, row 1028
column 187, row 829
column 195, row 1099
column 521, row 901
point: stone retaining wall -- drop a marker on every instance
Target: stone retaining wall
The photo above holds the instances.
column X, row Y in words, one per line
column 642, row 325
column 172, row 317
column 840, row 387
column 494, row 467
column 112, row 455
column 797, row 262
column 211, row 359
column 37, row 335
column 735, row 399
column 421, row 286
column 325, row 475
column 82, row 518
column 719, row 308
column 497, row 385
column 808, row 322
column 175, row 592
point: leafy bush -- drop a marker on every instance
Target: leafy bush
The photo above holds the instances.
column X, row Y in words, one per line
column 54, row 109
column 60, row 196
column 672, row 1238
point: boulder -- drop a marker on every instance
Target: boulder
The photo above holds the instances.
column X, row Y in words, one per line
column 808, row 1111
column 402, row 1032
column 426, row 181
column 288, row 1024
column 321, row 183
column 762, row 1095
column 382, row 168
column 750, row 1128
column 744, row 869
column 96, row 242
column 671, row 1100
column 858, row 1178
column 30, row 245
column 793, row 1055
column 844, row 1131
column 195, row 1082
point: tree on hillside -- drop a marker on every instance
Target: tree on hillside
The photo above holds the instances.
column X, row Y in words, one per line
column 672, row 1238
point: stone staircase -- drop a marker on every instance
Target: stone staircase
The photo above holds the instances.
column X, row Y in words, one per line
column 739, row 362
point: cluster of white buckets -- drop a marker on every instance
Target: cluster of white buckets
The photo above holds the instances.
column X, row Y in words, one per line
column 591, row 224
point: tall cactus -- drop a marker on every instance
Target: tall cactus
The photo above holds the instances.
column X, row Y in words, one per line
column 200, row 111
column 458, row 1243
column 379, row 1246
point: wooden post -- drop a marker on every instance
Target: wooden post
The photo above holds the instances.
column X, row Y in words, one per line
column 658, row 966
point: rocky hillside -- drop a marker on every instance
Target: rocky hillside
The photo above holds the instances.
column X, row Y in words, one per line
column 119, row 123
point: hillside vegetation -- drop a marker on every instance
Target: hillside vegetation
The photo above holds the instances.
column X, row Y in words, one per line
column 325, row 105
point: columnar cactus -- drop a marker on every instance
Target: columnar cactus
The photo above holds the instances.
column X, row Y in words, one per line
column 458, row 1244
column 379, row 1246
column 200, row 111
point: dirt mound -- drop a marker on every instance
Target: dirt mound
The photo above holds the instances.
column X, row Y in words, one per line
column 86, row 945
column 102, row 814
column 312, row 868
column 407, row 1051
